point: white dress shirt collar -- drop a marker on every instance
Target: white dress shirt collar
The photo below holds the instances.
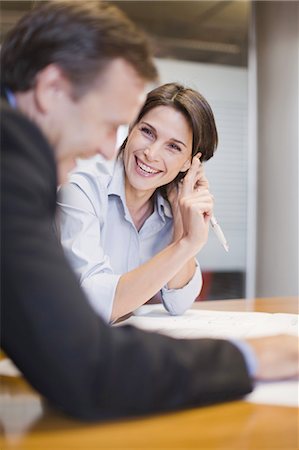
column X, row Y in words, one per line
column 117, row 187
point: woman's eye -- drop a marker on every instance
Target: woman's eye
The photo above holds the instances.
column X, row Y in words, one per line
column 147, row 131
column 174, row 147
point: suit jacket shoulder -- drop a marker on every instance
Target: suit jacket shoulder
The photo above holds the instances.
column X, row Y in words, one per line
column 25, row 148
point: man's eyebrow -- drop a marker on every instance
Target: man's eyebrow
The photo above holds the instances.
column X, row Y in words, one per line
column 172, row 139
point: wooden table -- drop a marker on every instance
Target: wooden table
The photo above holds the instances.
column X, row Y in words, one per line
column 28, row 423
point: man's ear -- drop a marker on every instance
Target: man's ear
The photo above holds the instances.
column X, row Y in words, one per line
column 50, row 86
column 186, row 166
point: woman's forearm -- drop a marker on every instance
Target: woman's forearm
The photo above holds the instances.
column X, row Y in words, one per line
column 183, row 276
column 139, row 285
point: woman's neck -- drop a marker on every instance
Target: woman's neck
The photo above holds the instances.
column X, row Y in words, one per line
column 140, row 204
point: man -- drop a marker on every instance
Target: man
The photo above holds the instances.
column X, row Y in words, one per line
column 72, row 74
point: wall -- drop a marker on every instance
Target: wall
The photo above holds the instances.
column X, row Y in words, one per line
column 277, row 160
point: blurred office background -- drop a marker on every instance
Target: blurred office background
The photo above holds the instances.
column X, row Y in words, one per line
column 243, row 57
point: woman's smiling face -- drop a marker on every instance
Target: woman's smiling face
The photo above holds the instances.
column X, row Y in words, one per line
column 157, row 149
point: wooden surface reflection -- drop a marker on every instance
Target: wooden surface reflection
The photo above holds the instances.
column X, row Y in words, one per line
column 27, row 422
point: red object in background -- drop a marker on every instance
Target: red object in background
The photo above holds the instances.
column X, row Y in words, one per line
column 204, row 295
column 207, row 282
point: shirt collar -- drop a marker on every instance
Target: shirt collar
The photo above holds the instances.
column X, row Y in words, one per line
column 117, row 183
column 163, row 207
column 117, row 187
column 11, row 98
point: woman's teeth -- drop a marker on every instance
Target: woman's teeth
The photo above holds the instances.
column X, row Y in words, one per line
column 146, row 168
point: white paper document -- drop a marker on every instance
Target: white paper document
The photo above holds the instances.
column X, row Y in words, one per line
column 8, row 368
column 197, row 323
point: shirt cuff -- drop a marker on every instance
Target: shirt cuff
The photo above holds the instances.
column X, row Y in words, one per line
column 177, row 301
column 249, row 356
column 100, row 291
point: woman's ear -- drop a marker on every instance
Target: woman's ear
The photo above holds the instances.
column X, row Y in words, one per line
column 186, row 166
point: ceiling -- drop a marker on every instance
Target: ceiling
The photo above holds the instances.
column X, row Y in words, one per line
column 205, row 31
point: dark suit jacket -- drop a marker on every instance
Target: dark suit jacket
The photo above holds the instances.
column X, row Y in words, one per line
column 80, row 364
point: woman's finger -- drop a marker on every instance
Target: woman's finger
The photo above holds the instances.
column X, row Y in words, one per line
column 203, row 192
column 201, row 179
column 191, row 177
column 200, row 205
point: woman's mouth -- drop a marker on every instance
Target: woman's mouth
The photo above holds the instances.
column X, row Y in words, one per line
column 144, row 169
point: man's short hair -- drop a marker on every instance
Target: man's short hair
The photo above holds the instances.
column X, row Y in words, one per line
column 80, row 37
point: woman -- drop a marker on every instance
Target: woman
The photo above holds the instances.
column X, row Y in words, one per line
column 133, row 234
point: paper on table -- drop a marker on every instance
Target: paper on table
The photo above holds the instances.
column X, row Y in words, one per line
column 223, row 324
column 283, row 393
column 8, row 368
column 228, row 325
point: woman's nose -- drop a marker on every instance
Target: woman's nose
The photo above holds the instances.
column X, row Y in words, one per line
column 151, row 152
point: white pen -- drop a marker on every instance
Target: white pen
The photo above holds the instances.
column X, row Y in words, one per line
column 219, row 233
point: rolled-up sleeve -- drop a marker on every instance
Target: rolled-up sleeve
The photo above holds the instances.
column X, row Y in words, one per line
column 177, row 301
column 80, row 234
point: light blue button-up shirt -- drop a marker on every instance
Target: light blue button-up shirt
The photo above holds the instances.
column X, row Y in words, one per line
column 102, row 243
